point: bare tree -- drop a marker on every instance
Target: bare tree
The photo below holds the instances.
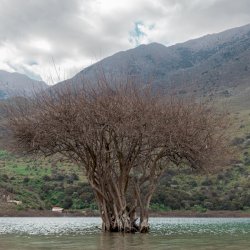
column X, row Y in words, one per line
column 125, row 137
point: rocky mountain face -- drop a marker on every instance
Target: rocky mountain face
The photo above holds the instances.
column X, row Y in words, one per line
column 12, row 84
column 217, row 64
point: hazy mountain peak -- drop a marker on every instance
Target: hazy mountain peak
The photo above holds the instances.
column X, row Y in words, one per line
column 14, row 83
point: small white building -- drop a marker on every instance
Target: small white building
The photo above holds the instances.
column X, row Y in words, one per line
column 57, row 209
column 15, row 202
column 9, row 200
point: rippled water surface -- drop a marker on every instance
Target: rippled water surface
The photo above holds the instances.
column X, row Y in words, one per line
column 84, row 233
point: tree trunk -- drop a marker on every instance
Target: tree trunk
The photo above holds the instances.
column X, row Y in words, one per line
column 117, row 221
column 118, row 212
column 116, row 216
column 144, row 225
column 114, row 220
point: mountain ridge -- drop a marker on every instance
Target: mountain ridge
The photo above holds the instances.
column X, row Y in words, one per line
column 210, row 64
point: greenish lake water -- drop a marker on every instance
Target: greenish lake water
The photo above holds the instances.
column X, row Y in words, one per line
column 83, row 233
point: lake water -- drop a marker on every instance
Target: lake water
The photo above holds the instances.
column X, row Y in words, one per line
column 84, row 233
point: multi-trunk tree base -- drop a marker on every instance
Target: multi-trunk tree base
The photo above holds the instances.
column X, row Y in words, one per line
column 118, row 206
column 126, row 225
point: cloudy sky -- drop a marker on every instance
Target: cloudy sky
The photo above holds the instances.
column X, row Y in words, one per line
column 47, row 38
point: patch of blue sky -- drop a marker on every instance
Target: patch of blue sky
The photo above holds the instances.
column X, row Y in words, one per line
column 138, row 32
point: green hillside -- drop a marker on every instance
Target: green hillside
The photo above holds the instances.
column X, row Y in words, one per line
column 43, row 183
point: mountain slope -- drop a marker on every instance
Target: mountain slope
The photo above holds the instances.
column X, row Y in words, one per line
column 217, row 64
column 12, row 84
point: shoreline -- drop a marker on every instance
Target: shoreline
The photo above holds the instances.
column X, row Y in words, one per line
column 187, row 214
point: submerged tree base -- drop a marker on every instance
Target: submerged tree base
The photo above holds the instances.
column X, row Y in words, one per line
column 134, row 229
column 124, row 224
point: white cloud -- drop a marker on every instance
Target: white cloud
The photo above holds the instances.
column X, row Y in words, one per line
column 77, row 33
column 40, row 44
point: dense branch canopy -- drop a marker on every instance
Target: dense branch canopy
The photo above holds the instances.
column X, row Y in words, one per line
column 129, row 123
